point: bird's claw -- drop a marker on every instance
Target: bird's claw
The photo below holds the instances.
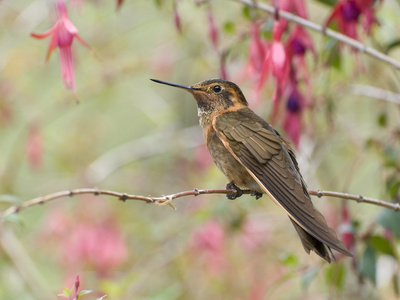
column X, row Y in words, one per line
column 236, row 192
column 257, row 195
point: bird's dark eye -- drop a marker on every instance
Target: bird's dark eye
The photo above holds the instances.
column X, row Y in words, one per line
column 217, row 88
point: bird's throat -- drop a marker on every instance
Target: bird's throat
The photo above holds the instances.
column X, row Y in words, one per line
column 205, row 114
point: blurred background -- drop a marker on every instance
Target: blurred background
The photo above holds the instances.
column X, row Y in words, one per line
column 128, row 134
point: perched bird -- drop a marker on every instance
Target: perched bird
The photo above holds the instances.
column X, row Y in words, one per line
column 253, row 156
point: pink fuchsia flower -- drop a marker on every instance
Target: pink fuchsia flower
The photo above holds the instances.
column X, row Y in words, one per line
column 347, row 13
column 177, row 18
column 209, row 240
column 101, row 246
column 222, row 65
column 255, row 232
column 77, row 283
column 85, row 241
column 276, row 60
column 34, row 146
column 298, row 43
column 119, row 3
column 294, row 107
column 368, row 8
column 256, row 49
column 296, row 7
column 212, row 29
column 346, row 229
column 62, row 36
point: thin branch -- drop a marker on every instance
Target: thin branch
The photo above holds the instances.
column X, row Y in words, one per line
column 358, row 198
column 373, row 92
column 114, row 159
column 325, row 31
column 164, row 200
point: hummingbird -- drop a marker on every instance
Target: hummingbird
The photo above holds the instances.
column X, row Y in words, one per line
column 254, row 156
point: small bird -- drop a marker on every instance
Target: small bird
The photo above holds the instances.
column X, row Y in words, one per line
column 254, row 156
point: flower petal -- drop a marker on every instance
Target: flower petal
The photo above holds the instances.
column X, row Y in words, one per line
column 69, row 26
column 46, row 34
column 77, row 36
column 53, row 45
column 67, row 68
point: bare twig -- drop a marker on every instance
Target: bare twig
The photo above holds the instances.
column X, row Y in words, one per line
column 374, row 92
column 325, row 31
column 358, row 198
column 163, row 200
column 141, row 148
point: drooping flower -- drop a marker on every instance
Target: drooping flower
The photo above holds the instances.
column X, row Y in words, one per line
column 62, row 36
column 212, row 29
column 296, row 7
column 346, row 229
column 177, row 18
column 277, row 61
column 119, row 3
column 256, row 49
column 347, row 15
column 294, row 107
column 298, row 43
column 222, row 65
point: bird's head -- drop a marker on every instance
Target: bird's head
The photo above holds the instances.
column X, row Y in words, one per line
column 213, row 95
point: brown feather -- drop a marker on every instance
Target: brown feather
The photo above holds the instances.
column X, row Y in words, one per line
column 271, row 162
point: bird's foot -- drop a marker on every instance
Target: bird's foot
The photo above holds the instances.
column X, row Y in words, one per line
column 257, row 195
column 236, row 192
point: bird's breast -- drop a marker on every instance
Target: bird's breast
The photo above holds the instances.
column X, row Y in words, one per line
column 228, row 164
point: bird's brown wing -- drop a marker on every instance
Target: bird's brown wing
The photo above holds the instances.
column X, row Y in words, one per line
column 254, row 143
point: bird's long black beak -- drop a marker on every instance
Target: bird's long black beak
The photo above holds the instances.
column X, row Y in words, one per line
column 185, row 87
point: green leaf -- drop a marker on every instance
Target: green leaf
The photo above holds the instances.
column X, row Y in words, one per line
column 230, row 27
column 393, row 185
column 67, row 293
column 289, row 259
column 334, row 58
column 246, row 12
column 390, row 220
column 392, row 45
column 381, row 244
column 396, row 284
column 367, row 266
column 391, row 157
column 266, row 29
column 157, row 2
column 382, row 119
column 328, row 2
column 335, row 274
column 308, row 276
column 102, row 297
column 84, row 292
